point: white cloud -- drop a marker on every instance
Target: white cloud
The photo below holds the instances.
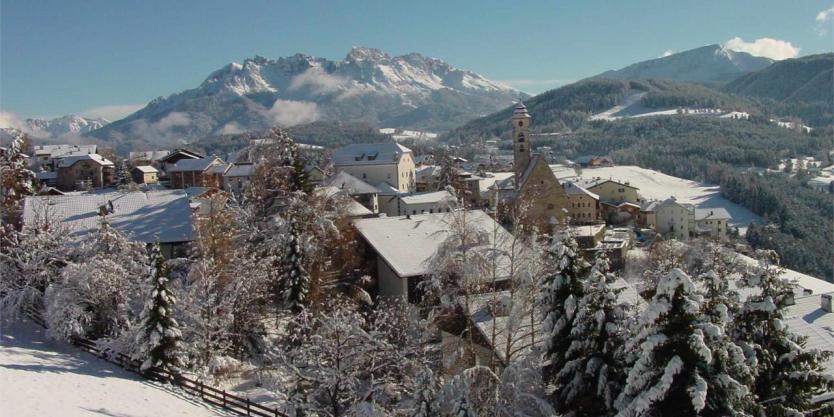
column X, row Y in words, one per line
column 9, row 119
column 667, row 53
column 174, row 119
column 764, row 47
column 112, row 112
column 823, row 19
column 231, row 128
column 290, row 113
column 319, row 81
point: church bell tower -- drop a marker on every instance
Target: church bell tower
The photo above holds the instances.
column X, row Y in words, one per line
column 521, row 141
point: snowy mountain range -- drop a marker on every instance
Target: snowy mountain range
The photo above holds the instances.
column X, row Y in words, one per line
column 707, row 63
column 408, row 91
column 60, row 126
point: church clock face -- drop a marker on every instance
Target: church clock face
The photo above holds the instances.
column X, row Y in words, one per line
column 520, row 123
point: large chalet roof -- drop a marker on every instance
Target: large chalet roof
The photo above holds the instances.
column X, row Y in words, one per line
column 181, row 152
column 71, row 160
column 57, row 151
column 406, row 243
column 200, row 164
column 240, row 170
column 369, row 154
column 163, row 216
column 573, row 189
column 351, row 184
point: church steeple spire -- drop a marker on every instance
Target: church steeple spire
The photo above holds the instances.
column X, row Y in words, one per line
column 521, row 141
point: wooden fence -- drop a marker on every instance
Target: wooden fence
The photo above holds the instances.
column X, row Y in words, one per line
column 217, row 397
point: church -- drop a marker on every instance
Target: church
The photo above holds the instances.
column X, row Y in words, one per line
column 533, row 188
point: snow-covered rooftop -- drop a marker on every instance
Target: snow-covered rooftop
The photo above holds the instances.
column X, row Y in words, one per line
column 147, row 169
column 407, row 243
column 163, row 216
column 240, row 170
column 428, row 198
column 369, row 154
column 353, row 207
column 351, row 184
column 573, row 189
column 807, row 318
column 200, row 164
column 71, row 160
column 147, row 155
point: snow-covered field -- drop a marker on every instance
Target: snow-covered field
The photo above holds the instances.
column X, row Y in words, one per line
column 41, row 377
column 654, row 185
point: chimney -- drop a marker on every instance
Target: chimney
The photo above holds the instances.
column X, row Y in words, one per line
column 825, row 302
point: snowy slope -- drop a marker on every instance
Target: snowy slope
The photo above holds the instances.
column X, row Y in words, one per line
column 408, row 91
column 654, row 185
column 40, row 377
column 707, row 63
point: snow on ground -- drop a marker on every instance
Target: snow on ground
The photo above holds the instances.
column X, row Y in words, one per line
column 41, row 377
column 654, row 185
column 612, row 113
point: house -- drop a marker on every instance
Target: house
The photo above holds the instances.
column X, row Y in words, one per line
column 533, row 185
column 48, row 157
column 583, row 205
column 148, row 217
column 237, row 177
column 373, row 163
column 711, row 222
column 213, row 175
column 145, row 174
column 339, row 196
column 151, row 158
column 85, row 171
column 612, row 191
column 593, row 161
column 682, row 221
column 426, row 178
column 168, row 161
column 47, row 178
column 672, row 219
column 421, row 203
column 364, row 193
column 404, row 245
column 188, row 172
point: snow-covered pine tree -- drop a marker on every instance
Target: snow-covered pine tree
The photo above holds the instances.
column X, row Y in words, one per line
column 122, row 173
column 16, row 181
column 732, row 371
column 159, row 335
column 561, row 291
column 448, row 174
column 671, row 373
column 296, row 281
column 594, row 369
column 425, row 395
column 787, row 374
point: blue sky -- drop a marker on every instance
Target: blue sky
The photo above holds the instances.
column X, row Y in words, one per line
column 99, row 57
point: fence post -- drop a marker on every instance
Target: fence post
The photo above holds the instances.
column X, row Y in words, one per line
column 201, row 389
column 247, row 405
column 224, row 398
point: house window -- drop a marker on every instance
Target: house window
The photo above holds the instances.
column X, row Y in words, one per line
column 550, row 206
column 622, row 190
column 431, row 210
column 364, row 175
column 413, row 211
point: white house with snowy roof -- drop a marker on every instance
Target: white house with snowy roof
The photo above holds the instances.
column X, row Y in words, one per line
column 364, row 193
column 374, row 163
column 404, row 246
column 154, row 216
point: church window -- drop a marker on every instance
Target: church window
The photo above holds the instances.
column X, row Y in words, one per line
column 520, row 123
column 521, row 149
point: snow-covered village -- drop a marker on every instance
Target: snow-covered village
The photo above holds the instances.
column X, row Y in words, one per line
column 645, row 232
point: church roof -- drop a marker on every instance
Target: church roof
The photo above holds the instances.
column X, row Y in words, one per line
column 520, row 110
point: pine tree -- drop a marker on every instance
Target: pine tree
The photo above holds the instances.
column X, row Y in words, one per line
column 16, row 181
column 594, row 369
column 159, row 335
column 732, row 371
column 425, row 397
column 787, row 375
column 296, row 281
column 448, row 176
column 562, row 291
column 122, row 173
column 670, row 375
